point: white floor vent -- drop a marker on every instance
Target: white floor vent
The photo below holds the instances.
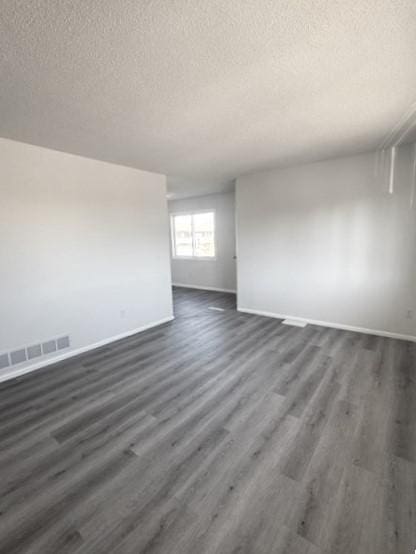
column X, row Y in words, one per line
column 294, row 322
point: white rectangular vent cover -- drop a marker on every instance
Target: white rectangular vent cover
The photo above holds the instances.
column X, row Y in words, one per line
column 294, row 322
column 33, row 351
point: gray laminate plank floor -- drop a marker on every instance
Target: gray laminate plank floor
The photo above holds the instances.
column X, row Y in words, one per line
column 219, row 432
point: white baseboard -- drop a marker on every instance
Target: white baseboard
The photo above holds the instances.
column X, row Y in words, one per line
column 203, row 287
column 330, row 324
column 16, row 372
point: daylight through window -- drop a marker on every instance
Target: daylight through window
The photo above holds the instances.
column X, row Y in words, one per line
column 193, row 235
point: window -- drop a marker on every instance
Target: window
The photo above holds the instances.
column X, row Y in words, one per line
column 193, row 235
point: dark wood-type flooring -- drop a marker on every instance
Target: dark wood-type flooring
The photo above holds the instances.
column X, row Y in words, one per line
column 219, row 432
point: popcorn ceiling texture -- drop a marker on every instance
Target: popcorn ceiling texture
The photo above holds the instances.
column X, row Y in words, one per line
column 205, row 91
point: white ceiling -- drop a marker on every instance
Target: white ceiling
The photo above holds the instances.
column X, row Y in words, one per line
column 206, row 90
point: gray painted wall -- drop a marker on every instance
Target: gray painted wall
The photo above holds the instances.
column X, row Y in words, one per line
column 221, row 272
column 84, row 248
column 326, row 241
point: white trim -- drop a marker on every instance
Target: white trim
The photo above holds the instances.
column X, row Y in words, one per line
column 203, row 287
column 192, row 212
column 330, row 324
column 16, row 372
column 195, row 258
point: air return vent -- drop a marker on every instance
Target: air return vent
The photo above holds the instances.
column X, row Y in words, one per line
column 62, row 342
column 26, row 353
column 4, row 361
column 18, row 356
column 49, row 347
column 34, row 351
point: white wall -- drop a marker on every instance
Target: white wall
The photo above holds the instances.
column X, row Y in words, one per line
column 80, row 241
column 221, row 272
column 327, row 242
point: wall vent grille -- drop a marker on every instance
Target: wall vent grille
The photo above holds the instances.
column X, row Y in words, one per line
column 4, row 361
column 34, row 351
column 18, row 356
column 49, row 347
column 26, row 353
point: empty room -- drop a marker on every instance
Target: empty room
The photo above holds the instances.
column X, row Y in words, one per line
column 207, row 277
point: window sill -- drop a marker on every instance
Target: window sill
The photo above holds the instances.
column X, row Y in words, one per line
column 194, row 258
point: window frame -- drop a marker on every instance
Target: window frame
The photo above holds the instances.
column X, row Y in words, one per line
column 173, row 237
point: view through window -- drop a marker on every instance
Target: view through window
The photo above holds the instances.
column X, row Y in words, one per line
column 193, row 235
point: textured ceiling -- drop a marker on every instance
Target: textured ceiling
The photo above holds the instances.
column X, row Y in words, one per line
column 206, row 90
